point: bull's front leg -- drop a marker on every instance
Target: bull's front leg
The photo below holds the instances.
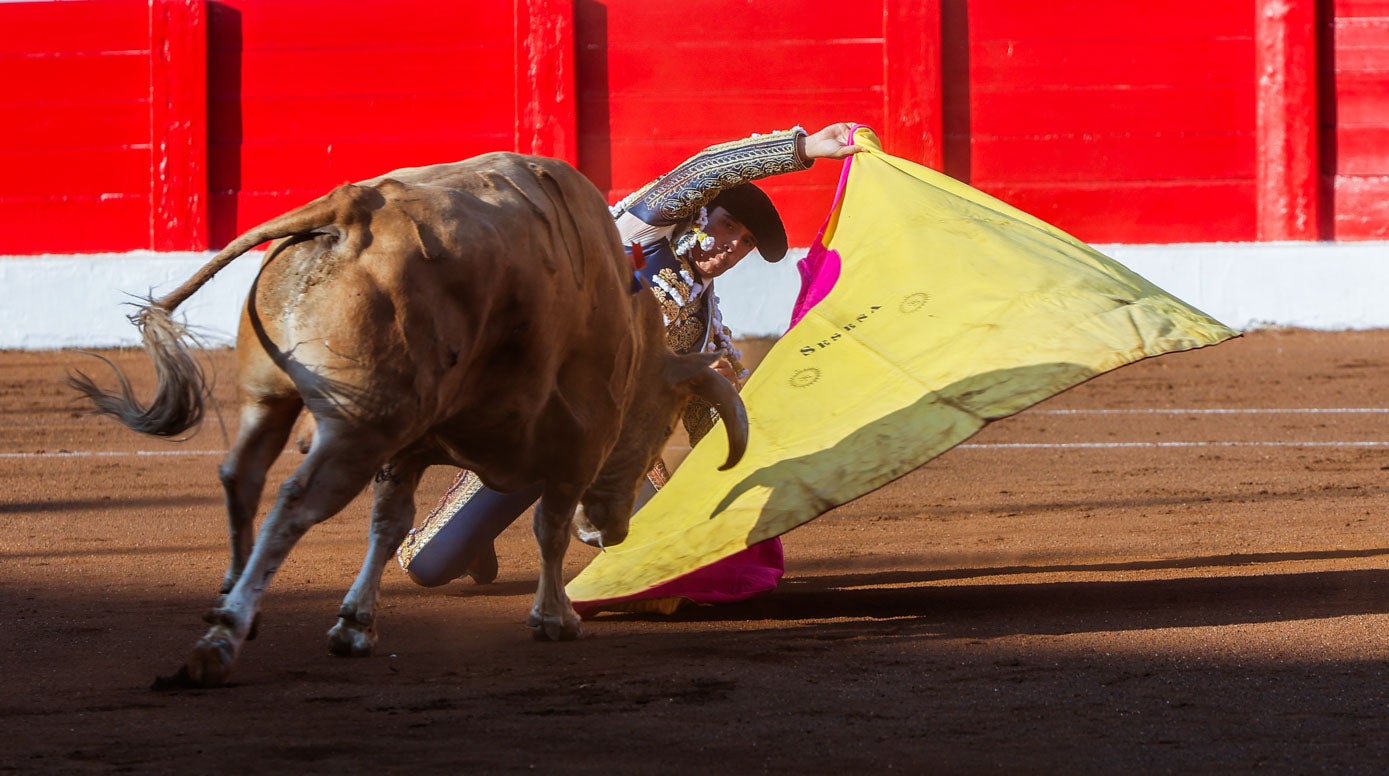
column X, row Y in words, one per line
column 392, row 514
column 552, row 617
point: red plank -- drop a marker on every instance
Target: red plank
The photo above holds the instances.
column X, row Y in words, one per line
column 88, row 27
column 427, row 116
column 1361, row 208
column 1142, row 61
column 689, row 25
column 264, row 74
column 1014, row 109
column 74, row 224
column 1361, row 7
column 75, row 172
column 86, row 79
column 648, row 67
column 54, row 125
column 1084, row 20
column 1362, row 150
column 1362, row 98
column 1212, row 211
column 336, row 28
column 1061, row 159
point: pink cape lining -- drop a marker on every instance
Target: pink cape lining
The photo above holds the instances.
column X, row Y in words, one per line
column 758, row 568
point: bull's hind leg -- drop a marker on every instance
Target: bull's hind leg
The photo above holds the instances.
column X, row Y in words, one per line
column 265, row 427
column 392, row 514
column 335, row 470
column 553, row 618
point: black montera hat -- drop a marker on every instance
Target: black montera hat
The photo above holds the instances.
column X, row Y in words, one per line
column 755, row 210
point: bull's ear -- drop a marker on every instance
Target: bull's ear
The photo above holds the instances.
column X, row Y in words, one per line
column 681, row 369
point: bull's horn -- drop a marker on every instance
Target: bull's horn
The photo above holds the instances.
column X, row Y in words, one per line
column 713, row 388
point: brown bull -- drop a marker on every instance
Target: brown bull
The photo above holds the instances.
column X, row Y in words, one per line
column 479, row 314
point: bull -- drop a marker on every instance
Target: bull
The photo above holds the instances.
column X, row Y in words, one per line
column 480, row 314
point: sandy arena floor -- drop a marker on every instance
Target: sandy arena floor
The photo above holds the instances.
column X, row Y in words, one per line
column 1180, row 567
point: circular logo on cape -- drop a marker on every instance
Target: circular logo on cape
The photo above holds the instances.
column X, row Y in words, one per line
column 913, row 302
column 804, row 378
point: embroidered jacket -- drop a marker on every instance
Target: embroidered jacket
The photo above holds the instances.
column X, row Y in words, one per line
column 658, row 214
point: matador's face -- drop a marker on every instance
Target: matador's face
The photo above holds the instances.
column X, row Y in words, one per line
column 732, row 241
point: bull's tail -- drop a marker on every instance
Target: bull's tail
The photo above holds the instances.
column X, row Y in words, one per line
column 182, row 389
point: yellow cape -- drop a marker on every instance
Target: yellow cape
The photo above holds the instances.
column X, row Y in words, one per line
column 952, row 309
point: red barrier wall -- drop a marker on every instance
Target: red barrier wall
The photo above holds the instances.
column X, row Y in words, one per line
column 175, row 124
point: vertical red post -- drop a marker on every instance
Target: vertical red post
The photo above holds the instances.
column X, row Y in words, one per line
column 546, row 103
column 1288, row 175
column 912, row 81
column 178, row 125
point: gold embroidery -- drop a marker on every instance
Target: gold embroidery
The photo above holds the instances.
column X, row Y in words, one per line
column 698, row 417
column 464, row 487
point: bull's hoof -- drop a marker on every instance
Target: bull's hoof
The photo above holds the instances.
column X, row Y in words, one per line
column 348, row 639
column 552, row 628
column 210, row 663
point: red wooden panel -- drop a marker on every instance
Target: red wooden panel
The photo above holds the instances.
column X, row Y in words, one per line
column 340, row 27
column 1362, row 150
column 76, row 79
column 688, row 26
column 59, row 173
column 1141, row 212
column 1081, row 20
column 430, row 117
column 69, row 125
column 87, row 27
column 1123, row 61
column 1182, row 156
column 264, row 74
column 1361, row 208
column 1360, row 7
column 1362, row 98
column 74, row 224
column 1362, row 46
column 1358, row 115
column 1014, row 109
column 647, row 68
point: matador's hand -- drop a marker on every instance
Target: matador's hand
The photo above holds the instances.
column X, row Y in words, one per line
column 832, row 142
column 726, row 369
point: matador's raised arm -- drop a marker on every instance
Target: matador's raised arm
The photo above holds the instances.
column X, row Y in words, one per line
column 678, row 194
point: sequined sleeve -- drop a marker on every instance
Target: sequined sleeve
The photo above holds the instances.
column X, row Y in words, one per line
column 676, row 195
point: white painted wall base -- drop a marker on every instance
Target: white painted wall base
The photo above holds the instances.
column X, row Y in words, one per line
column 79, row 301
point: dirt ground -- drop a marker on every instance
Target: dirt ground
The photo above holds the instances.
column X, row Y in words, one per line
column 1147, row 590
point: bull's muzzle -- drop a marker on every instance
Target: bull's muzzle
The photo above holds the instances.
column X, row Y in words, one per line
column 598, row 528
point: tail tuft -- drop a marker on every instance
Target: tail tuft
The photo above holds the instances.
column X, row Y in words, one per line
column 181, row 393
